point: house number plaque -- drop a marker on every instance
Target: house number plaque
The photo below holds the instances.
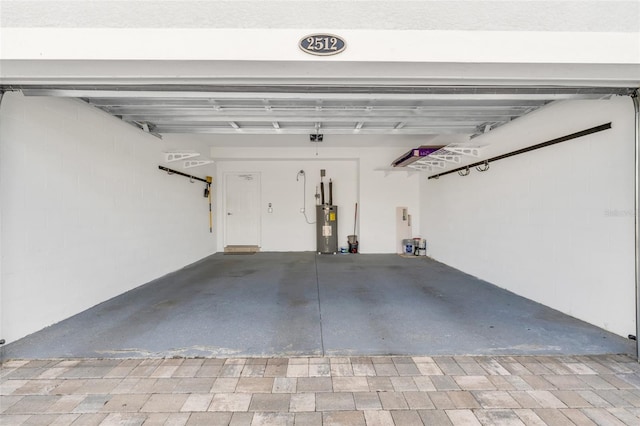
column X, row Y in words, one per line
column 322, row 44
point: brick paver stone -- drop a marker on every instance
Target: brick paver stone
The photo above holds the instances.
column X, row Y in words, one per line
column 429, row 369
column 378, row 418
column 209, row 419
column 363, row 369
column 553, row 417
column 434, row 417
column 594, row 399
column 474, row 383
column 577, row 417
column 319, row 370
column 162, row 403
column 126, row 403
column 255, row 384
column 441, row 400
column 129, row 419
column 284, row 385
column 529, row 417
column 463, row 399
column 367, row 401
column 315, row 384
column 499, row 418
column 297, row 370
column 302, row 402
column 334, row 402
column 602, row 417
column 350, row 384
column 230, row 402
column 317, row 391
column 402, row 384
column 270, row 402
column 273, row 419
column 495, row 399
column 546, row 399
column 381, row 384
column 418, row 401
column 406, row 417
column 624, row 416
column 197, row 402
column 241, row 419
column 343, row 418
column 308, row 419
column 462, row 418
column 224, row 385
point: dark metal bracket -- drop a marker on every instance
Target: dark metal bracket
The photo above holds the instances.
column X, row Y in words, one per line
column 484, row 164
column 176, row 172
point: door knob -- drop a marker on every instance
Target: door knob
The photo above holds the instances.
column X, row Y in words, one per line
column 228, row 214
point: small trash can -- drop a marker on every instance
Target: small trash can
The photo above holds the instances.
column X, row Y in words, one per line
column 353, row 243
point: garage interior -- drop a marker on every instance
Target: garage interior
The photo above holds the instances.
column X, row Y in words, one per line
column 141, row 141
column 161, row 165
column 98, row 149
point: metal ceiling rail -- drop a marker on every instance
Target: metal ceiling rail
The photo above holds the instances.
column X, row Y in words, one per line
column 372, row 109
column 210, row 105
column 527, row 149
column 351, row 88
column 309, row 130
column 114, row 94
column 198, row 120
column 325, row 112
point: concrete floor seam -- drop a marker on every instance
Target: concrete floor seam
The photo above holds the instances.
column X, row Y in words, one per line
column 319, row 305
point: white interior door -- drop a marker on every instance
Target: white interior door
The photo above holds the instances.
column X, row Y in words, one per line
column 242, row 209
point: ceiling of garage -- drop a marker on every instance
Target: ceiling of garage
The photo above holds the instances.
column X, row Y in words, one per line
column 321, row 109
column 311, row 109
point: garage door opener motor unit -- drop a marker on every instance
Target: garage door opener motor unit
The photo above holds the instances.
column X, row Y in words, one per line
column 326, row 221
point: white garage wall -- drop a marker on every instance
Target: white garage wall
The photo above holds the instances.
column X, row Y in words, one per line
column 285, row 229
column 555, row 225
column 358, row 178
column 86, row 214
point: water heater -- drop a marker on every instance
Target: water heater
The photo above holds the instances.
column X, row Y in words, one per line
column 327, row 229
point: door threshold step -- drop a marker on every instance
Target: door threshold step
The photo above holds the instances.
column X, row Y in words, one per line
column 241, row 249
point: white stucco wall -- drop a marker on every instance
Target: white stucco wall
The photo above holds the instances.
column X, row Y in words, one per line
column 555, row 225
column 86, row 214
column 473, row 15
column 433, row 42
column 356, row 171
column 285, row 228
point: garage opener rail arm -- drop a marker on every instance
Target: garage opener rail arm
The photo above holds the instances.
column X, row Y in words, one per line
column 207, row 190
column 485, row 163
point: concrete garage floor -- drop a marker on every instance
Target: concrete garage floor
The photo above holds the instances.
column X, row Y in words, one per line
column 302, row 304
